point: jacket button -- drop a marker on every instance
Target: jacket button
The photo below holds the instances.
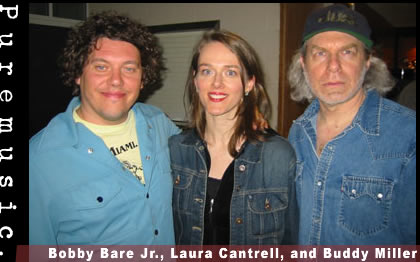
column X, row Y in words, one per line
column 242, row 168
column 90, row 150
column 267, row 205
column 380, row 195
column 100, row 199
column 201, row 148
column 177, row 180
column 147, row 157
column 239, row 221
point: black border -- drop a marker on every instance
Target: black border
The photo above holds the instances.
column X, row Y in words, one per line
column 213, row 24
column 17, row 167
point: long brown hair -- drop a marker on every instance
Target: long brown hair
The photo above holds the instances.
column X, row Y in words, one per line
column 254, row 105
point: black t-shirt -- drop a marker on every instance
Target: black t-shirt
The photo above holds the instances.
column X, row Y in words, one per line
column 217, row 209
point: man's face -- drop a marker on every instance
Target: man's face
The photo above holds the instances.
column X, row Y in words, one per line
column 335, row 66
column 110, row 82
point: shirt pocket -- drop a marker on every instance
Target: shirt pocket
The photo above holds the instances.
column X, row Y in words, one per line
column 98, row 214
column 365, row 205
column 266, row 213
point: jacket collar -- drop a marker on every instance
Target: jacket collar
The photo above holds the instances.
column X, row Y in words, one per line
column 367, row 118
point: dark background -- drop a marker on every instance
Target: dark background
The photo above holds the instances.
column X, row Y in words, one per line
column 46, row 91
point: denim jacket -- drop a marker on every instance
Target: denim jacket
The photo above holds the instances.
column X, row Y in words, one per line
column 361, row 190
column 263, row 207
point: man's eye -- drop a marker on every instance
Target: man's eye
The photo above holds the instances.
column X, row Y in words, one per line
column 320, row 53
column 348, row 52
column 100, row 67
column 130, row 69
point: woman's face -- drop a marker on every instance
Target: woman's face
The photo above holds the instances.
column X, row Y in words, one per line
column 218, row 81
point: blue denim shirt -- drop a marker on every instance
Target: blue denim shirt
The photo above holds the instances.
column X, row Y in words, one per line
column 361, row 190
column 263, row 207
column 81, row 194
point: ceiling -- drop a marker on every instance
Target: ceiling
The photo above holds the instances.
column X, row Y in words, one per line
column 397, row 14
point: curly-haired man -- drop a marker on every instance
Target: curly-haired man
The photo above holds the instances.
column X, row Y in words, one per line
column 100, row 171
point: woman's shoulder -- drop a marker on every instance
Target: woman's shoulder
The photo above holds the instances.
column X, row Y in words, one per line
column 276, row 144
column 185, row 136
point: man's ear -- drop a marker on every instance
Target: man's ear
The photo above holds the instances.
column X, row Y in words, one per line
column 368, row 62
column 302, row 62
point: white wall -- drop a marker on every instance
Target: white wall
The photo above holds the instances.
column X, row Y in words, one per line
column 259, row 24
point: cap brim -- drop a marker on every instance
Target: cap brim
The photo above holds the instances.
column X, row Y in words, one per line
column 362, row 38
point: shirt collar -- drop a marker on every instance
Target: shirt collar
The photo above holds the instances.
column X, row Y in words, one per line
column 367, row 118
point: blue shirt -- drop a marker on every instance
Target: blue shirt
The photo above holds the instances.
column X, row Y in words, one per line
column 80, row 194
column 361, row 190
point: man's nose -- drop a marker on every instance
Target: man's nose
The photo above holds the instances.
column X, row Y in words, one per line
column 116, row 78
column 334, row 64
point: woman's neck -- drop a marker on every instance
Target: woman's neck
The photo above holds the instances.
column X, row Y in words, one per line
column 218, row 131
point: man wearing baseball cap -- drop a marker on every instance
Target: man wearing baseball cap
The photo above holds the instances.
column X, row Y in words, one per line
column 356, row 151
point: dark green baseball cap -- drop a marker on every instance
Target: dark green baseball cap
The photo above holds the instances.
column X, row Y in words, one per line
column 338, row 18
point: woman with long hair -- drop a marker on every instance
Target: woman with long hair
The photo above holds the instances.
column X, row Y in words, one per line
column 233, row 181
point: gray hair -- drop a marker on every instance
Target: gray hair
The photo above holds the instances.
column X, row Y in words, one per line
column 377, row 77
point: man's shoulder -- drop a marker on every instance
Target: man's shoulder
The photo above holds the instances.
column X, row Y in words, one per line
column 57, row 132
column 148, row 111
column 397, row 119
column 397, row 110
column 391, row 122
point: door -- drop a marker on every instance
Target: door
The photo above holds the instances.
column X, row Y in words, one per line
column 292, row 21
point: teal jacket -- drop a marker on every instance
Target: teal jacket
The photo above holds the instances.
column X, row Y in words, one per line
column 80, row 194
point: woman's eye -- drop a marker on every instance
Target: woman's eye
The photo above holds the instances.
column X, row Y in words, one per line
column 205, row 72
column 231, row 73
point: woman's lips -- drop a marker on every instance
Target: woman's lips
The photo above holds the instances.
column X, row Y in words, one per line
column 217, row 97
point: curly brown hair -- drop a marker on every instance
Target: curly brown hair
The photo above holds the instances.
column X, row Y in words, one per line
column 83, row 38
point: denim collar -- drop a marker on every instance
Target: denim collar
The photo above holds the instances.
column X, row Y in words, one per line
column 252, row 151
column 367, row 118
